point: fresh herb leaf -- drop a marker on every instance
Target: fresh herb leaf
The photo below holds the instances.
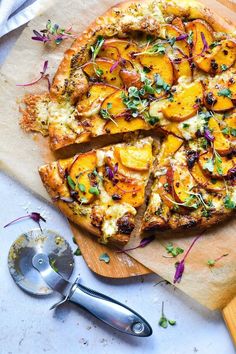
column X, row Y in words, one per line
column 186, row 125
column 82, row 187
column 164, row 321
column 233, row 132
column 152, row 120
column 190, row 38
column 171, row 41
column 174, row 251
column 71, row 183
column 96, row 48
column 209, row 165
column 94, row 190
column 214, row 44
column 212, row 262
column 223, row 67
column 218, row 163
column 77, row 252
column 225, row 131
column 104, row 112
column 104, row 257
column 157, row 48
column 229, row 203
column 161, row 85
column 99, row 72
column 225, row 92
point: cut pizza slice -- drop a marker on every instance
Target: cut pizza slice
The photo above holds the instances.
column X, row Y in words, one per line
column 102, row 189
column 183, row 196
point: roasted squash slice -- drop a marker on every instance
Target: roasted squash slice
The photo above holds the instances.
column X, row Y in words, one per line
column 197, row 27
column 205, row 182
column 103, row 66
column 129, row 190
column 158, row 65
column 80, row 172
column 185, row 103
column 90, row 104
column 220, row 143
column 173, row 128
column 217, row 102
column 118, row 49
column 221, row 56
column 182, row 184
column 213, row 166
column 136, row 158
column 231, row 124
column 178, row 23
column 168, row 148
column 123, row 125
column 114, row 104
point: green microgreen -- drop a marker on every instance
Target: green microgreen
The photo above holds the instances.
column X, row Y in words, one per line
column 225, row 92
column 96, row 48
column 174, row 251
column 104, row 112
column 164, row 321
column 71, row 182
column 104, row 257
column 229, row 203
column 94, row 190
column 212, row 262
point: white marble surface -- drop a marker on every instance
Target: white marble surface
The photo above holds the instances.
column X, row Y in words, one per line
column 27, row 326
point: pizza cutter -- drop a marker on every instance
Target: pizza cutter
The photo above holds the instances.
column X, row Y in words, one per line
column 41, row 262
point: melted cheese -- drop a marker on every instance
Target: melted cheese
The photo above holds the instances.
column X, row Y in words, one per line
column 195, row 123
column 112, row 214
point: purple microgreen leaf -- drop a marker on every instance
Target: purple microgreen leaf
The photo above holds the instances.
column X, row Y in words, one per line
column 205, row 45
column 208, row 135
column 34, row 216
column 109, row 173
column 143, row 243
column 43, row 75
column 52, row 33
column 114, row 66
column 181, row 37
column 180, row 266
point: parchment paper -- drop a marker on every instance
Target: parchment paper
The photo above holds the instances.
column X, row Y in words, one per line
column 21, row 154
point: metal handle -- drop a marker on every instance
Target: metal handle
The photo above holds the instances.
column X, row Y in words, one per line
column 110, row 311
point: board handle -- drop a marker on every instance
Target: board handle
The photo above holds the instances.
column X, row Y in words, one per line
column 229, row 314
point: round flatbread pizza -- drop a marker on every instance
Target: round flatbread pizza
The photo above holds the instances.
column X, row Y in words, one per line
column 155, row 68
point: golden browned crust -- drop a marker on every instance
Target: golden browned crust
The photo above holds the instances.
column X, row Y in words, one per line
column 29, row 113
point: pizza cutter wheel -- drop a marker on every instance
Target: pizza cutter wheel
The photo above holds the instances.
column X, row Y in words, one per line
column 41, row 262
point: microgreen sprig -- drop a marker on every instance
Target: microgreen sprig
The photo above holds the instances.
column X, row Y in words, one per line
column 164, row 321
column 212, row 262
column 43, row 75
column 52, row 33
column 36, row 217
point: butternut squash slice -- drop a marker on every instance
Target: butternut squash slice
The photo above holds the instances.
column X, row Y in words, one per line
column 118, row 48
column 134, row 157
column 168, row 148
column 185, row 103
column 220, row 143
column 213, row 167
column 205, row 182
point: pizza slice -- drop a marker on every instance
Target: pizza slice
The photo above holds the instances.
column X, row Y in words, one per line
column 194, row 183
column 101, row 190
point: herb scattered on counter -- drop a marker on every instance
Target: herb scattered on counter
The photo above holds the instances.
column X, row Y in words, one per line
column 77, row 252
column 174, row 251
column 180, row 266
column 225, row 92
column 52, row 33
column 143, row 243
column 34, row 216
column 52, row 264
column 43, row 75
column 104, row 257
column 164, row 321
column 212, row 262
column 95, row 49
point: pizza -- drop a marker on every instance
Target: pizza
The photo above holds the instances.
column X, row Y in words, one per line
column 102, row 189
column 156, row 68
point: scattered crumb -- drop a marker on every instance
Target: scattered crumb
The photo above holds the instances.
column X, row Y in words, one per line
column 195, row 350
column 84, row 341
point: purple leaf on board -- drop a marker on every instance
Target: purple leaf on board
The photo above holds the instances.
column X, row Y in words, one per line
column 143, row 243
